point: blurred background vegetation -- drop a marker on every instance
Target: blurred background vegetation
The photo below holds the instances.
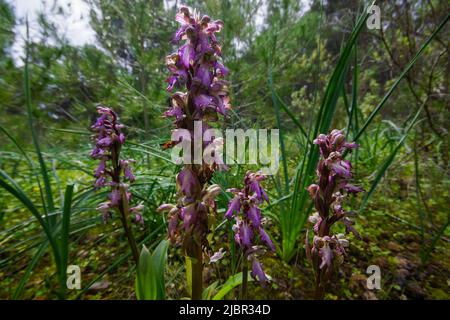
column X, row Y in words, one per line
column 295, row 45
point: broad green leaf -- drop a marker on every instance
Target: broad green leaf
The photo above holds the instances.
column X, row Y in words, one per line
column 208, row 292
column 150, row 284
column 232, row 282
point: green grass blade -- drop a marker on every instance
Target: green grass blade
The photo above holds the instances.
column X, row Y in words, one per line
column 282, row 141
column 402, row 75
column 18, row 146
column 231, row 283
column 17, row 192
column 289, row 113
column 66, row 213
column 28, row 160
column 434, row 241
column 208, row 292
column 23, row 281
column 354, row 102
column 43, row 167
column 387, row 163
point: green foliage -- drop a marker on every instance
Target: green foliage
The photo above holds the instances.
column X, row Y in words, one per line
column 293, row 219
column 150, row 284
column 302, row 72
column 57, row 235
column 232, row 282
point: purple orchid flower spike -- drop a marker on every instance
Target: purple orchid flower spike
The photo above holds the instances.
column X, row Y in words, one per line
column 197, row 71
column 197, row 65
column 333, row 186
column 113, row 171
column 248, row 228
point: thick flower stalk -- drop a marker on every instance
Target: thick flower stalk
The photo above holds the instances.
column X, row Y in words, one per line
column 197, row 70
column 248, row 228
column 334, row 173
column 114, row 172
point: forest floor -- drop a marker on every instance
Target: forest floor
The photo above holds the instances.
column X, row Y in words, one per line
column 387, row 241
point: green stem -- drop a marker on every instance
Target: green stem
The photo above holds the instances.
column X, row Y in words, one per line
column 124, row 211
column 244, row 278
column 319, row 292
column 197, row 273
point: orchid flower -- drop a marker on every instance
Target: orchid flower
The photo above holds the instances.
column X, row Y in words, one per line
column 114, row 172
column 196, row 69
column 248, row 228
column 333, row 186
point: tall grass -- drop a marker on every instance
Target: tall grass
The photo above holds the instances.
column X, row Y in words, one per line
column 55, row 223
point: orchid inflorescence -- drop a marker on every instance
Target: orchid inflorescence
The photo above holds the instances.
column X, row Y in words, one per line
column 334, row 185
column 195, row 67
column 248, row 228
column 112, row 171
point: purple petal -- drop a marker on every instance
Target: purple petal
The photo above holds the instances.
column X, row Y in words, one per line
column 100, row 182
column 217, row 256
column 350, row 188
column 203, row 44
column 351, row 145
column 245, row 235
column 173, row 224
column 254, row 215
column 257, row 271
column 317, row 225
column 322, row 142
column 202, row 100
column 340, row 167
column 266, row 239
column 138, row 218
column 234, row 206
column 204, row 74
column 172, row 81
column 180, row 32
column 129, row 174
column 313, row 189
column 115, row 197
column 99, row 121
column 121, row 138
column 215, row 26
column 187, row 54
column 165, row 207
column 104, row 142
column 187, row 217
column 187, row 182
column 97, row 153
column 175, row 111
column 221, row 70
column 326, row 256
column 100, row 169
